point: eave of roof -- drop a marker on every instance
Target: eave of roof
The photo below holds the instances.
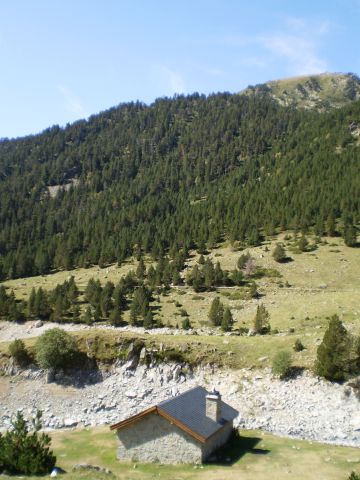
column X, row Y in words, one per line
column 161, row 413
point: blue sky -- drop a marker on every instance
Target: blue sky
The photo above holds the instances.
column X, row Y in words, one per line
column 64, row 60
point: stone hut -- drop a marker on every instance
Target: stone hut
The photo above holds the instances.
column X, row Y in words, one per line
column 184, row 429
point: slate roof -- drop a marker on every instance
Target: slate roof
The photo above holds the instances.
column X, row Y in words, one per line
column 188, row 412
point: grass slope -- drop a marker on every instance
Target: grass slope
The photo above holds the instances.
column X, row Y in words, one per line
column 255, row 455
column 319, row 283
column 322, row 92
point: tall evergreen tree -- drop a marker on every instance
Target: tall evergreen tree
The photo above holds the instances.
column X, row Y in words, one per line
column 333, row 354
column 216, row 312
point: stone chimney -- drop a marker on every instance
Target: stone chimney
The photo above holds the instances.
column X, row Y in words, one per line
column 213, row 405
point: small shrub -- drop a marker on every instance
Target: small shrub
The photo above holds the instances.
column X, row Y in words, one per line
column 281, row 363
column 186, row 323
column 354, row 476
column 291, row 330
column 197, row 297
column 183, row 312
column 55, row 349
column 243, row 330
column 298, row 346
column 279, row 254
column 18, row 351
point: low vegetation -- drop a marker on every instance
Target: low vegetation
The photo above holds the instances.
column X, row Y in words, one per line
column 55, row 349
column 282, row 363
column 252, row 455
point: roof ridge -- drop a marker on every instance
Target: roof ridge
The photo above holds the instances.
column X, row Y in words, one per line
column 181, row 395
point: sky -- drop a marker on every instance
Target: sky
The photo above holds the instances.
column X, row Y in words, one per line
column 64, row 60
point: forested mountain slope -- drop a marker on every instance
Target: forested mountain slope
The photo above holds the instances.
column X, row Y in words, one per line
column 182, row 172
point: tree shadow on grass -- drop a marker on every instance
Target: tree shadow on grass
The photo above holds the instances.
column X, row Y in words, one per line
column 235, row 449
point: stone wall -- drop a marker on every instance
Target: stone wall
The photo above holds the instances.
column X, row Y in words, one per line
column 154, row 439
column 216, row 441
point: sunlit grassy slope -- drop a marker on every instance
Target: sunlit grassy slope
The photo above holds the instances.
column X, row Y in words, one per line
column 255, row 455
column 310, row 288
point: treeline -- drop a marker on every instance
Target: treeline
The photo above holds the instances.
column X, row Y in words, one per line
column 133, row 292
column 181, row 173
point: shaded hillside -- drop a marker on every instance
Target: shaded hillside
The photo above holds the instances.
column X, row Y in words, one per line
column 181, row 172
column 321, row 92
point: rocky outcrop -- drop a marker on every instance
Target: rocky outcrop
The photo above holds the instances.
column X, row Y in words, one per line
column 302, row 407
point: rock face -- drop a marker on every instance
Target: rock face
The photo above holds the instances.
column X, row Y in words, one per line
column 303, row 407
column 321, row 92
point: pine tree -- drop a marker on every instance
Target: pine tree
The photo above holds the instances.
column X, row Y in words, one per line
column 261, row 320
column 350, row 235
column 41, row 304
column 330, row 225
column 31, row 303
column 216, row 312
column 106, row 303
column 87, row 317
column 76, row 313
column 115, row 317
column 25, row 452
column 227, row 320
column 148, row 319
column 303, row 243
column 333, row 354
column 141, row 270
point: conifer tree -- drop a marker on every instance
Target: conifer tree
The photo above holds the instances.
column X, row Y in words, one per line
column 26, row 452
column 333, row 354
column 350, row 235
column 141, row 270
column 330, row 225
column 87, row 316
column 216, row 312
column 148, row 319
column 227, row 320
column 31, row 303
column 115, row 317
column 261, row 320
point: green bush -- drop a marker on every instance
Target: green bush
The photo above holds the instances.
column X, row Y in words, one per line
column 18, row 351
column 279, row 254
column 354, row 476
column 26, row 452
column 55, row 349
column 281, row 363
column 186, row 323
column 298, row 346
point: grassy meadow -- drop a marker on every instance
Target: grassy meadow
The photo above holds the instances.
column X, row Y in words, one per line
column 252, row 456
column 300, row 295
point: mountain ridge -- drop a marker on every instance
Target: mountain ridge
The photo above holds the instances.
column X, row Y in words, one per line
column 321, row 92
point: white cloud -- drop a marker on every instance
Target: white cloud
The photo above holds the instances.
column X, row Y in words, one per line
column 296, row 44
column 175, row 81
column 300, row 52
column 216, row 72
column 72, row 103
